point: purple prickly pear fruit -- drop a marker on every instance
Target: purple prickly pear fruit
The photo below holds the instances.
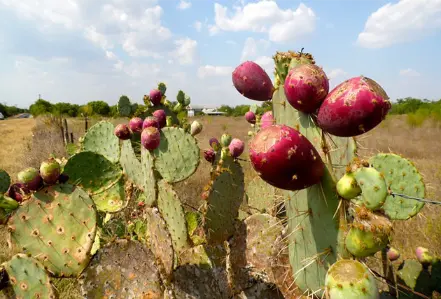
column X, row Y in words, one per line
column 214, row 143
column 18, row 191
column 423, row 255
column 150, row 138
column 267, row 120
column 306, row 87
column 354, row 107
column 209, row 155
column 236, row 147
column 63, row 178
column 150, row 121
column 285, row 159
column 251, row 80
column 155, row 97
column 135, row 124
column 250, row 117
column 195, row 128
column 161, row 117
column 122, row 131
column 30, row 177
column 50, row 170
column 393, row 254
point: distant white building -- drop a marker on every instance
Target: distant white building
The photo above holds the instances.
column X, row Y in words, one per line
column 206, row 109
column 2, row 116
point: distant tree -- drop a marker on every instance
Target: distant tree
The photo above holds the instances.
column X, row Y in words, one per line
column 40, row 107
column 240, row 110
column 227, row 109
column 114, row 111
column 65, row 109
column 99, row 107
column 86, row 110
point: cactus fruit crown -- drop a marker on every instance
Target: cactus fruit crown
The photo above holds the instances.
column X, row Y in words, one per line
column 113, row 219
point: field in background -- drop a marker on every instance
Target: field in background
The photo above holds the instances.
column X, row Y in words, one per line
column 26, row 142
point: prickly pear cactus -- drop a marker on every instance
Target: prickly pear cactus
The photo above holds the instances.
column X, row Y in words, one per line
column 101, row 140
column 5, row 181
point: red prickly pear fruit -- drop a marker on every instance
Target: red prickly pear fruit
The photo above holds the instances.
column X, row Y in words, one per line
column 392, row 254
column 267, row 120
column 251, row 80
column 155, row 97
column 63, row 178
column 423, row 255
column 150, row 121
column 50, row 171
column 306, row 87
column 122, row 131
column 30, row 177
column 150, row 138
column 250, row 117
column 236, row 147
column 214, row 143
column 135, row 124
column 18, row 191
column 209, row 155
column 354, row 107
column 285, row 159
column 161, row 117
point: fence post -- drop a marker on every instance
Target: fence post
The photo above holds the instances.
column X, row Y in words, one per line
column 86, row 125
column 71, row 138
column 66, row 131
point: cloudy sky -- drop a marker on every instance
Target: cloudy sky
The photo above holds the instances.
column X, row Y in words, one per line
column 83, row 50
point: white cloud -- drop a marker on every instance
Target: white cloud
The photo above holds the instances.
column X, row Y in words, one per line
column 405, row 21
column 184, row 5
column 253, row 47
column 211, row 70
column 186, row 50
column 198, row 26
column 409, row 73
column 267, row 63
column 230, row 42
column 266, row 16
column 335, row 73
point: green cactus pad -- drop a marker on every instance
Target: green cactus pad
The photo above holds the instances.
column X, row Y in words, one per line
column 347, row 187
column 160, row 240
column 350, row 279
column 172, row 212
column 111, row 200
column 131, row 165
column 5, row 181
column 412, row 273
column 177, row 156
column 92, row 171
column 401, row 177
column 262, row 197
column 124, row 106
column 28, row 278
column 223, row 202
column 100, row 139
column 373, row 187
column 148, row 175
column 57, row 226
column 122, row 269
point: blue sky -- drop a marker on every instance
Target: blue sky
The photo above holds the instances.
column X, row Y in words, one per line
column 80, row 50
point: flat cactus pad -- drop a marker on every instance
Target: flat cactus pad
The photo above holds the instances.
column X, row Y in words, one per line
column 373, row 187
column 57, row 226
column 262, row 197
column 148, row 175
column 5, row 181
column 111, row 200
column 401, row 177
column 28, row 278
column 101, row 139
column 122, row 269
column 131, row 165
column 177, row 156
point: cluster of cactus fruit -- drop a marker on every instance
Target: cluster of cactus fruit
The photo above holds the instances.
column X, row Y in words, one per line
column 109, row 216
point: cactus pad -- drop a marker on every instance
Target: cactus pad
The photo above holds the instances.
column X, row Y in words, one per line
column 124, row 106
column 171, row 210
column 262, row 197
column 5, row 181
column 131, row 165
column 122, row 269
column 111, row 200
column 177, row 156
column 160, row 240
column 100, row 139
column 28, row 278
column 412, row 273
column 92, row 171
column 57, row 226
column 401, row 177
column 223, row 202
column 149, row 183
column 373, row 187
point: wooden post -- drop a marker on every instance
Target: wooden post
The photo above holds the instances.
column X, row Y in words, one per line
column 66, row 131
column 62, row 135
column 71, row 138
column 85, row 124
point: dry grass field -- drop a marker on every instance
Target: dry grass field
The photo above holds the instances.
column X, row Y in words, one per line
column 26, row 142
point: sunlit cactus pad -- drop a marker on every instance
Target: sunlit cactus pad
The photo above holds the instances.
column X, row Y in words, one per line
column 401, row 177
column 111, row 200
column 131, row 164
column 101, row 140
column 57, row 226
column 122, row 269
column 262, row 197
column 28, row 278
column 5, row 181
column 177, row 156
column 148, row 176
column 92, row 171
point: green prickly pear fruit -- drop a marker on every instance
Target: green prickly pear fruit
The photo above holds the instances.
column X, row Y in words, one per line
column 169, row 121
column 347, row 187
column 225, row 140
column 225, row 152
column 392, row 254
column 373, row 187
column 196, row 128
column 50, row 171
column 162, row 88
column 350, row 279
column 8, row 203
column 30, row 177
column 423, row 256
column 178, row 108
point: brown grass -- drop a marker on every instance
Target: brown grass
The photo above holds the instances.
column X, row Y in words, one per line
column 419, row 144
